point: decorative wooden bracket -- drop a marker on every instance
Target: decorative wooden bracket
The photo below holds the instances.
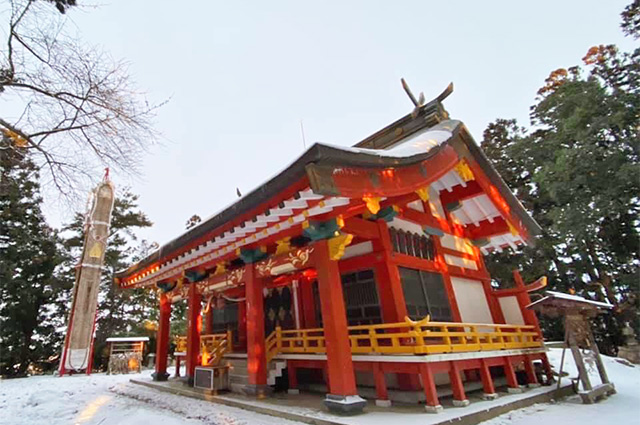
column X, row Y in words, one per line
column 338, row 244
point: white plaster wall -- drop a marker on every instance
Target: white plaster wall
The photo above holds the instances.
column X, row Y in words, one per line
column 511, row 310
column 460, row 262
column 458, row 244
column 472, row 301
column 357, row 250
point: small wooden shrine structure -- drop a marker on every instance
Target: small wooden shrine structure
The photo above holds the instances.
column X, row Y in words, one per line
column 577, row 312
column 125, row 354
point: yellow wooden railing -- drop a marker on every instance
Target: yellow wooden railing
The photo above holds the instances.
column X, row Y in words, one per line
column 409, row 337
column 181, row 344
column 212, row 347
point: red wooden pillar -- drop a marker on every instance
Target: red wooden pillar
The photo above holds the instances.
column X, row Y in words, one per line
column 446, row 277
column 394, row 307
column 459, row 396
column 343, row 395
column 532, row 380
column 430, row 392
column 242, row 325
column 392, row 302
column 293, row 379
column 547, row 368
column 162, row 340
column 487, row 381
column 256, row 351
column 194, row 325
column 382, row 395
column 524, row 300
column 308, row 304
column 510, row 374
column 209, row 318
column 177, row 371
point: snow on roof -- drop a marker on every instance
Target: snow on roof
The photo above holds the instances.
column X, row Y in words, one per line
column 128, row 339
column 568, row 297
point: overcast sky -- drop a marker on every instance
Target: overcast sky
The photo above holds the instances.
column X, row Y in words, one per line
column 242, row 75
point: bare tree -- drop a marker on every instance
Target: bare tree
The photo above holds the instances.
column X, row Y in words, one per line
column 72, row 106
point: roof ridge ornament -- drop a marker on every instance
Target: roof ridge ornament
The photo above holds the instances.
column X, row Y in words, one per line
column 419, row 103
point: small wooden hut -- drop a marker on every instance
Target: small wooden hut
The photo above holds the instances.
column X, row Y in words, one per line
column 125, row 354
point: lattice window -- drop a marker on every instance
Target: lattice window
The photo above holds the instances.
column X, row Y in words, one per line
column 413, row 244
column 424, row 294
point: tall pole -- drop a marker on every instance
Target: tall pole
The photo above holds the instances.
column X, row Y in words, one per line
column 78, row 345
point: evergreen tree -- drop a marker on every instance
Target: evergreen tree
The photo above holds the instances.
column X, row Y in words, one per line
column 120, row 312
column 30, row 255
column 578, row 173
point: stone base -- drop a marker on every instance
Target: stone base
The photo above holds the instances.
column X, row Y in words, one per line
column 536, row 385
column 293, row 391
column 345, row 405
column 162, row 376
column 511, row 390
column 433, row 409
column 260, row 391
column 461, row 403
column 491, row 396
column 383, row 403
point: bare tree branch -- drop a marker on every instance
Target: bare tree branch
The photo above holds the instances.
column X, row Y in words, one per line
column 77, row 111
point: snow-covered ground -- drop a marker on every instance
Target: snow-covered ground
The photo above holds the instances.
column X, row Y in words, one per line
column 98, row 400
column 108, row 400
column 622, row 408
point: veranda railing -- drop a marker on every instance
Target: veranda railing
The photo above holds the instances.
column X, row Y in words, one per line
column 409, row 337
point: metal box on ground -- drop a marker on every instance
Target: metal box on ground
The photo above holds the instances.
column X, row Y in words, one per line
column 212, row 378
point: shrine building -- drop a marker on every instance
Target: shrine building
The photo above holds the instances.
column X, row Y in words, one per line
column 358, row 273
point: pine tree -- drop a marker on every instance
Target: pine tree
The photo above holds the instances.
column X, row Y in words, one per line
column 30, row 258
column 578, row 173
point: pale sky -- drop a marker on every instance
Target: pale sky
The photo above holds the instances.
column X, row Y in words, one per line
column 241, row 76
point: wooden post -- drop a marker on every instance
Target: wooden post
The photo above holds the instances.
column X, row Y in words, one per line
column 430, row 392
column 459, row 396
column 162, row 339
column 293, row 379
column 392, row 302
column 242, row 325
column 256, row 350
column 343, row 396
column 510, row 374
column 194, row 325
column 487, row 381
column 308, row 304
column 532, row 379
column 382, row 396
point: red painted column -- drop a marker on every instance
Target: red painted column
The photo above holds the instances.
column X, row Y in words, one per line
column 532, row 379
column 446, row 277
column 459, row 396
column 382, row 395
column 524, row 300
column 162, row 340
column 308, row 304
column 256, row 352
column 209, row 318
column 487, row 381
column 430, row 392
column 392, row 302
column 343, row 395
column 242, row 325
column 510, row 374
column 194, row 325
